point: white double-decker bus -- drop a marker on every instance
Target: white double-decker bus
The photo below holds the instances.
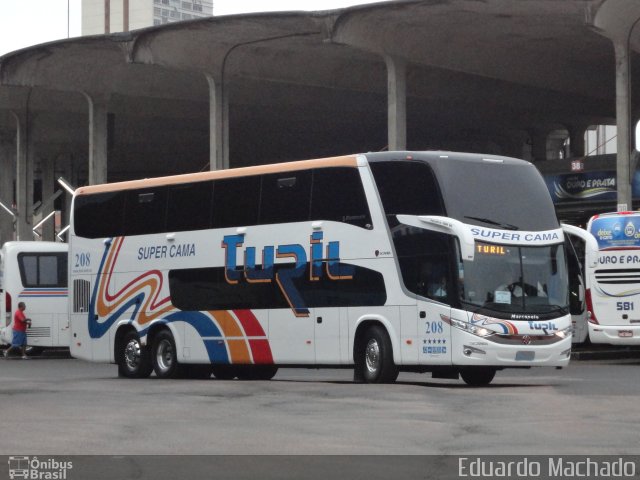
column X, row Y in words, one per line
column 437, row 262
column 613, row 285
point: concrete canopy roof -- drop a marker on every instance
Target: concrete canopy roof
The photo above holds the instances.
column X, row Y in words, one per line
column 495, row 66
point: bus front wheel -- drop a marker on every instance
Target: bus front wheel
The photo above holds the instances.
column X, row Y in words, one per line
column 477, row 376
column 133, row 358
column 374, row 357
column 164, row 355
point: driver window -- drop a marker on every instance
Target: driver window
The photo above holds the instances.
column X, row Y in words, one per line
column 423, row 257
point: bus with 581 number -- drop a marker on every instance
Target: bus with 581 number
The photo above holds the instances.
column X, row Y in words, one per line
column 613, row 285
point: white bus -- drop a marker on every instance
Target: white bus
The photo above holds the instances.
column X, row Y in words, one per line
column 35, row 273
column 436, row 262
column 613, row 286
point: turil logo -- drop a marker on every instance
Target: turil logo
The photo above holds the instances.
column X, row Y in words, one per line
column 285, row 274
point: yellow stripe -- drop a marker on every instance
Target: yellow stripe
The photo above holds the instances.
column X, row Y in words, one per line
column 238, row 348
column 345, row 161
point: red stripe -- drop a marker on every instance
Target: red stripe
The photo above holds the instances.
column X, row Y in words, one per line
column 261, row 351
column 250, row 323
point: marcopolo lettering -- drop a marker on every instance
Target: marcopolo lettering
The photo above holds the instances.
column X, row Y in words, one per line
column 286, row 274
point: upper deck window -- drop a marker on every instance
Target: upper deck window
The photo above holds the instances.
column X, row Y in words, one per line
column 408, row 188
column 332, row 194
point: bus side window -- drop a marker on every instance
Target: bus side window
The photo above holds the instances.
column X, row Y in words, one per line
column 99, row 215
column 189, row 207
column 236, row 202
column 145, row 211
column 338, row 196
column 407, row 188
column 43, row 269
column 424, row 262
column 285, row 197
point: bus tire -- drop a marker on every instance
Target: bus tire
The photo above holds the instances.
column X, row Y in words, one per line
column 477, row 376
column 374, row 357
column 133, row 358
column 164, row 356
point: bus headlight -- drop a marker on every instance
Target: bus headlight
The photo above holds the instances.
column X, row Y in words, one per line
column 564, row 333
column 471, row 328
column 482, row 332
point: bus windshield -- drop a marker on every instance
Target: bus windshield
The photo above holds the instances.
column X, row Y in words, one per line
column 508, row 279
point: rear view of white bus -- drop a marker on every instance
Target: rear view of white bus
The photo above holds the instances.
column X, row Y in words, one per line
column 613, row 293
column 35, row 273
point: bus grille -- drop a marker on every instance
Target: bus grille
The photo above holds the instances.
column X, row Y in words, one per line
column 39, row 332
column 618, row 276
column 81, row 295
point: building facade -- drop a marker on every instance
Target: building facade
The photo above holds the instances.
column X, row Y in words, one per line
column 109, row 16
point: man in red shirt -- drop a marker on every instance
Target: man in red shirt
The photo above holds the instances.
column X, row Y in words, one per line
column 20, row 324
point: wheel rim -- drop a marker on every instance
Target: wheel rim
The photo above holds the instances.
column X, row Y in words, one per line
column 132, row 354
column 164, row 355
column 372, row 356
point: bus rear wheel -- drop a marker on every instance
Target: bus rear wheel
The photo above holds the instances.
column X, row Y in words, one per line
column 164, row 355
column 477, row 376
column 374, row 357
column 133, row 358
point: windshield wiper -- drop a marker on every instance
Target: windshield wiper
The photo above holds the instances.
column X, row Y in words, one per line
column 506, row 226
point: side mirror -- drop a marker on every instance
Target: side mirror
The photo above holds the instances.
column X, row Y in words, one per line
column 446, row 225
column 591, row 244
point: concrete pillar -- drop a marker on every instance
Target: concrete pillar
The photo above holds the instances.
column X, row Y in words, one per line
column 218, row 125
column 576, row 141
column 24, row 177
column 7, row 167
column 48, row 189
column 396, row 103
column 64, row 168
column 98, row 141
column 539, row 145
column 623, row 121
column 617, row 19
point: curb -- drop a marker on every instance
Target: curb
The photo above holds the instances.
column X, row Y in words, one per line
column 607, row 353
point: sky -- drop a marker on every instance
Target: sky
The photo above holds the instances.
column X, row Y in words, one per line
column 29, row 22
